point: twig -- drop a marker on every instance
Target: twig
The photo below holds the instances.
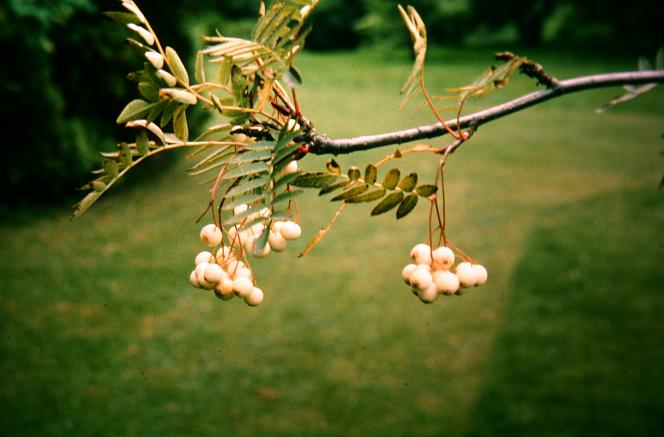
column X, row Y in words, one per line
column 322, row 145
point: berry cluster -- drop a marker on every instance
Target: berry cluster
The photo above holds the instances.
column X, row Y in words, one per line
column 227, row 272
column 430, row 273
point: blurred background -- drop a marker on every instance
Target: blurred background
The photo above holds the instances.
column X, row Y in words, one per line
column 101, row 333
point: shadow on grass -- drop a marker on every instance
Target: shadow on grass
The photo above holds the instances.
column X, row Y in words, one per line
column 581, row 353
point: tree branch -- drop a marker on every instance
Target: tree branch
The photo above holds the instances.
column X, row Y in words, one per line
column 322, row 145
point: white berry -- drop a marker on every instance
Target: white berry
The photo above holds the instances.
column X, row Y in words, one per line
column 421, row 254
column 234, row 266
column 224, row 289
column 257, row 229
column 429, row 294
column 406, row 273
column 249, row 242
column 481, row 275
column 243, row 272
column 204, row 257
column 277, row 241
column 193, row 279
column 240, row 209
column 223, row 254
column 466, row 274
column 255, row 297
column 290, row 230
column 260, row 253
column 213, row 273
column 276, row 225
column 443, row 258
column 211, row 235
column 200, row 276
column 242, row 286
column 447, row 282
column 421, row 278
column 290, row 168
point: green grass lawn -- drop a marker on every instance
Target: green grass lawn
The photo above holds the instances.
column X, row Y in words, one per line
column 101, row 334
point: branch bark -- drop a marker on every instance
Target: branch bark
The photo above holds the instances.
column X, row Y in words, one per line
column 322, row 145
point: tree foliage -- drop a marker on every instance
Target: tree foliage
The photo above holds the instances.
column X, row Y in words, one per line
column 62, row 81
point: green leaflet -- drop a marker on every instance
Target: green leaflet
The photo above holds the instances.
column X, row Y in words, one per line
column 354, row 173
column 246, row 170
column 370, row 174
column 180, row 126
column 391, row 179
column 212, row 131
column 86, row 203
column 261, row 241
column 251, row 156
column 286, row 196
column 156, row 111
column 333, row 187
column 142, row 143
column 284, row 156
column 426, row 190
column 284, row 139
column 292, row 78
column 121, row 17
column 99, row 186
column 207, row 168
column 246, row 199
column 111, row 167
column 261, row 145
column 368, row 197
column 409, row 182
column 224, row 73
column 199, row 69
column 289, row 178
column 148, row 91
column 388, row 203
column 407, row 205
column 315, row 180
column 418, row 35
column 125, row 154
column 178, row 68
column 167, row 115
column 246, row 186
column 333, row 166
column 134, row 110
column 351, row 192
column 216, row 155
